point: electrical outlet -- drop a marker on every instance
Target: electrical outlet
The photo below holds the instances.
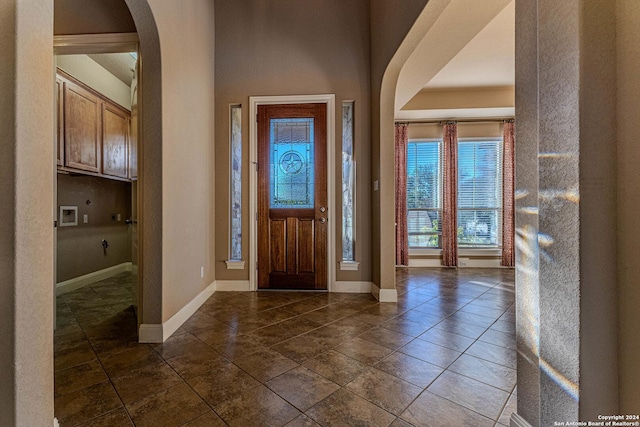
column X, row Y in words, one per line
column 201, row 272
column 463, row 262
column 85, row 218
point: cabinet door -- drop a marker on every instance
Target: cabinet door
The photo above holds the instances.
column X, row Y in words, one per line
column 115, row 140
column 58, row 139
column 81, row 128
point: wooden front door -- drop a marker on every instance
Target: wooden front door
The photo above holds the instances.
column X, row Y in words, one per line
column 292, row 196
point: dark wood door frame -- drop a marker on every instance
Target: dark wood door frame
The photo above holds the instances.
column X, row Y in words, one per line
column 254, row 102
column 292, row 240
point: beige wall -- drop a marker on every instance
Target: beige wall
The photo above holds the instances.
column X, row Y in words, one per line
column 628, row 105
column 92, row 17
column 26, row 206
column 288, row 47
column 186, row 36
column 391, row 44
column 79, row 248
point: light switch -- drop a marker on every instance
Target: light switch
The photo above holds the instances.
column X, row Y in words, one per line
column 375, row 185
column 119, row 217
column 85, row 218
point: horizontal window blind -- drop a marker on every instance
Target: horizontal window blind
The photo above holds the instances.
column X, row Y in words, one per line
column 479, row 193
column 424, row 193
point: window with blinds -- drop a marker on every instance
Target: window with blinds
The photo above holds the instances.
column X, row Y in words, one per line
column 479, row 193
column 424, row 193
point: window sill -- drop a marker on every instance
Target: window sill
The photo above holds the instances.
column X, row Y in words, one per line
column 349, row 265
column 235, row 265
column 461, row 252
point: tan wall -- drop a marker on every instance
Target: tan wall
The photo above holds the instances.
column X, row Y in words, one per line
column 465, row 130
column 186, row 34
column 391, row 37
column 92, row 17
column 288, row 47
column 628, row 105
column 79, row 248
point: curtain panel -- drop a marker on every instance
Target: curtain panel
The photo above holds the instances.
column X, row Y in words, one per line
column 508, row 202
column 450, row 196
column 402, row 234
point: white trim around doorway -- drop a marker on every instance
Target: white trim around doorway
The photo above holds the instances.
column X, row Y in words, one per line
column 254, row 102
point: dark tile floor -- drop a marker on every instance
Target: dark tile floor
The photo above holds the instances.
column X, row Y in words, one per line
column 444, row 355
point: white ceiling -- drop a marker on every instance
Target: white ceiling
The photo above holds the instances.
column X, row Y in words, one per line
column 121, row 65
column 467, row 73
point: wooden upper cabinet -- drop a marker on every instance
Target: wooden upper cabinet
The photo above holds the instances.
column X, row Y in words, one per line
column 115, row 141
column 81, row 129
column 59, row 136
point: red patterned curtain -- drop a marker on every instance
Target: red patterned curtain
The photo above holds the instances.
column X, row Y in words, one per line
column 450, row 202
column 402, row 235
column 508, row 203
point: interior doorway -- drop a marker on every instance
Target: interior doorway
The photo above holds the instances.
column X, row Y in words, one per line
column 96, row 192
column 292, row 197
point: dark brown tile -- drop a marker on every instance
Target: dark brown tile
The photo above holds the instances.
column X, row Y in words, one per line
column 221, row 384
column 484, row 371
column 386, row 338
column 208, row 419
column 86, row 404
column 265, row 364
column 363, row 350
column 344, row 408
column 171, row 407
column 472, row 394
column 429, row 352
column 384, row 390
column 509, row 409
column 399, row 422
column 407, row 326
column 137, row 357
column 75, row 356
column 189, row 365
column 302, row 421
column 117, row 418
column 72, row 340
column 216, row 336
column 474, row 319
column 447, row 339
column 179, row 344
column 465, row 329
column 493, row 353
column 430, row 410
column 493, row 313
column 242, row 345
column 257, row 407
column 143, row 382
column 302, row 387
column 302, row 348
column 78, row 377
column 336, row 367
column 410, row 369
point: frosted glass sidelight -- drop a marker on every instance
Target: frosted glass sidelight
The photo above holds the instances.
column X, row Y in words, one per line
column 291, row 162
column 236, row 184
column 348, row 184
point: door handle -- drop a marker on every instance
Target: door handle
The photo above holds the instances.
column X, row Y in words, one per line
column 130, row 221
column 323, row 209
column 323, row 220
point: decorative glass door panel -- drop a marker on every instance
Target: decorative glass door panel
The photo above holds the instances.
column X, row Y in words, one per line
column 292, row 197
column 292, row 168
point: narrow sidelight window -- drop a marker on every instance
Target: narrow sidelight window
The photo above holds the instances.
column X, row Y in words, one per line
column 235, row 250
column 348, row 184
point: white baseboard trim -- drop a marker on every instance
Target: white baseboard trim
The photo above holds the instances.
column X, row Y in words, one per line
column 55, row 423
column 153, row 333
column 352, row 287
column 425, row 262
column 87, row 279
column 150, row 333
column 384, row 295
column 518, row 421
column 232, row 286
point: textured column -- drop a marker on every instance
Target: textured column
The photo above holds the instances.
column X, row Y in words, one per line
column 26, row 208
column 566, row 280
